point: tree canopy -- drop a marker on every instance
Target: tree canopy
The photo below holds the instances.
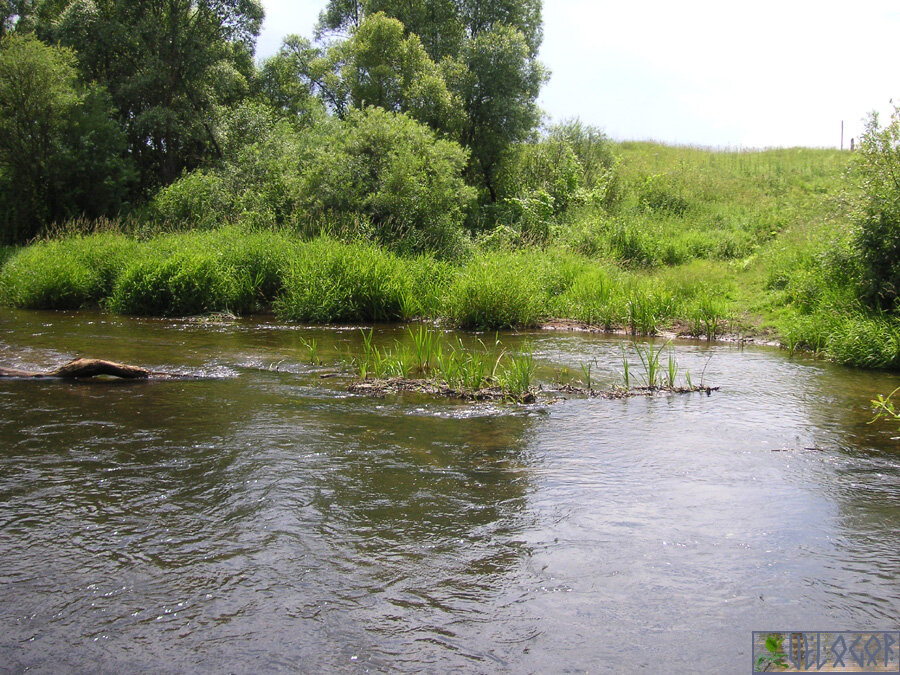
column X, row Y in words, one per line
column 106, row 103
column 168, row 65
column 487, row 54
column 61, row 155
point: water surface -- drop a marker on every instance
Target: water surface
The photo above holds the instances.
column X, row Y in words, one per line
column 260, row 519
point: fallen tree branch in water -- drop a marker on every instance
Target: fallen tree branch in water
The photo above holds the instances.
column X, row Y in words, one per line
column 84, row 368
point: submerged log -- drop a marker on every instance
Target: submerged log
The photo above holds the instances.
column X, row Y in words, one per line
column 83, row 368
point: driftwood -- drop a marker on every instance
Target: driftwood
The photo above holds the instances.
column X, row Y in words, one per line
column 83, row 368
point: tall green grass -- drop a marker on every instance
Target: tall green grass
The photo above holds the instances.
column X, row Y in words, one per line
column 69, row 273
column 680, row 203
column 857, row 340
column 428, row 355
column 327, row 281
column 498, row 290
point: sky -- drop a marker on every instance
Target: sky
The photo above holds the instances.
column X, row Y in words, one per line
column 768, row 73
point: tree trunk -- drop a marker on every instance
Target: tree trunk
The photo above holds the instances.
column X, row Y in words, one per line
column 81, row 368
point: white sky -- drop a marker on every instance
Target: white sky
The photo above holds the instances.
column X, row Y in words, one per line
column 716, row 73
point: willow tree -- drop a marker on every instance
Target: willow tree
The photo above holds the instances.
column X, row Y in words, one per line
column 168, row 65
column 61, row 155
column 487, row 53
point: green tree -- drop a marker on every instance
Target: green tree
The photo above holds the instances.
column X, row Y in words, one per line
column 37, row 99
column 444, row 26
column 386, row 68
column 487, row 52
column 499, row 86
column 12, row 12
column 438, row 23
column 379, row 65
column 299, row 79
column 169, row 65
column 877, row 215
column 61, row 155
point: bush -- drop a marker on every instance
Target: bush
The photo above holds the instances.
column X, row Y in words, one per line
column 197, row 200
column 384, row 172
column 395, row 171
column 599, row 165
column 548, row 168
column 877, row 217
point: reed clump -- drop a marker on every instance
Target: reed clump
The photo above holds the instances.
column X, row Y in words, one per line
column 426, row 356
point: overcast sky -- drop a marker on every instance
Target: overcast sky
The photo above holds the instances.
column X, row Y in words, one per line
column 716, row 73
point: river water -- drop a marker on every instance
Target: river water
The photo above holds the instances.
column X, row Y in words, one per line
column 261, row 519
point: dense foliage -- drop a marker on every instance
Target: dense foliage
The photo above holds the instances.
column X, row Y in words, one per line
column 383, row 175
column 877, row 236
column 397, row 118
column 61, row 154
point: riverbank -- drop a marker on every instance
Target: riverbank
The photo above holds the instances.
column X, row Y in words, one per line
column 746, row 246
column 329, row 281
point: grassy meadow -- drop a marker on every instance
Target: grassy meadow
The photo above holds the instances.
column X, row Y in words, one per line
column 699, row 242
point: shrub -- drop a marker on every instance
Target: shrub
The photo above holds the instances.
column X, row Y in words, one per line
column 877, row 217
column 548, row 168
column 382, row 171
column 395, row 171
column 197, row 200
column 599, row 165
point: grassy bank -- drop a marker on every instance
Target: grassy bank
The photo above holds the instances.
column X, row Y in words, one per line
column 326, row 281
column 699, row 242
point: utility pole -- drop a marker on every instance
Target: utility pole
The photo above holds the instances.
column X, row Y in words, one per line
column 842, row 134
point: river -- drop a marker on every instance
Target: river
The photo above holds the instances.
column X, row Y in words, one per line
column 261, row 519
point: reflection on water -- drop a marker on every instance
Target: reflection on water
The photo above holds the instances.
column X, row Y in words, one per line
column 264, row 520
